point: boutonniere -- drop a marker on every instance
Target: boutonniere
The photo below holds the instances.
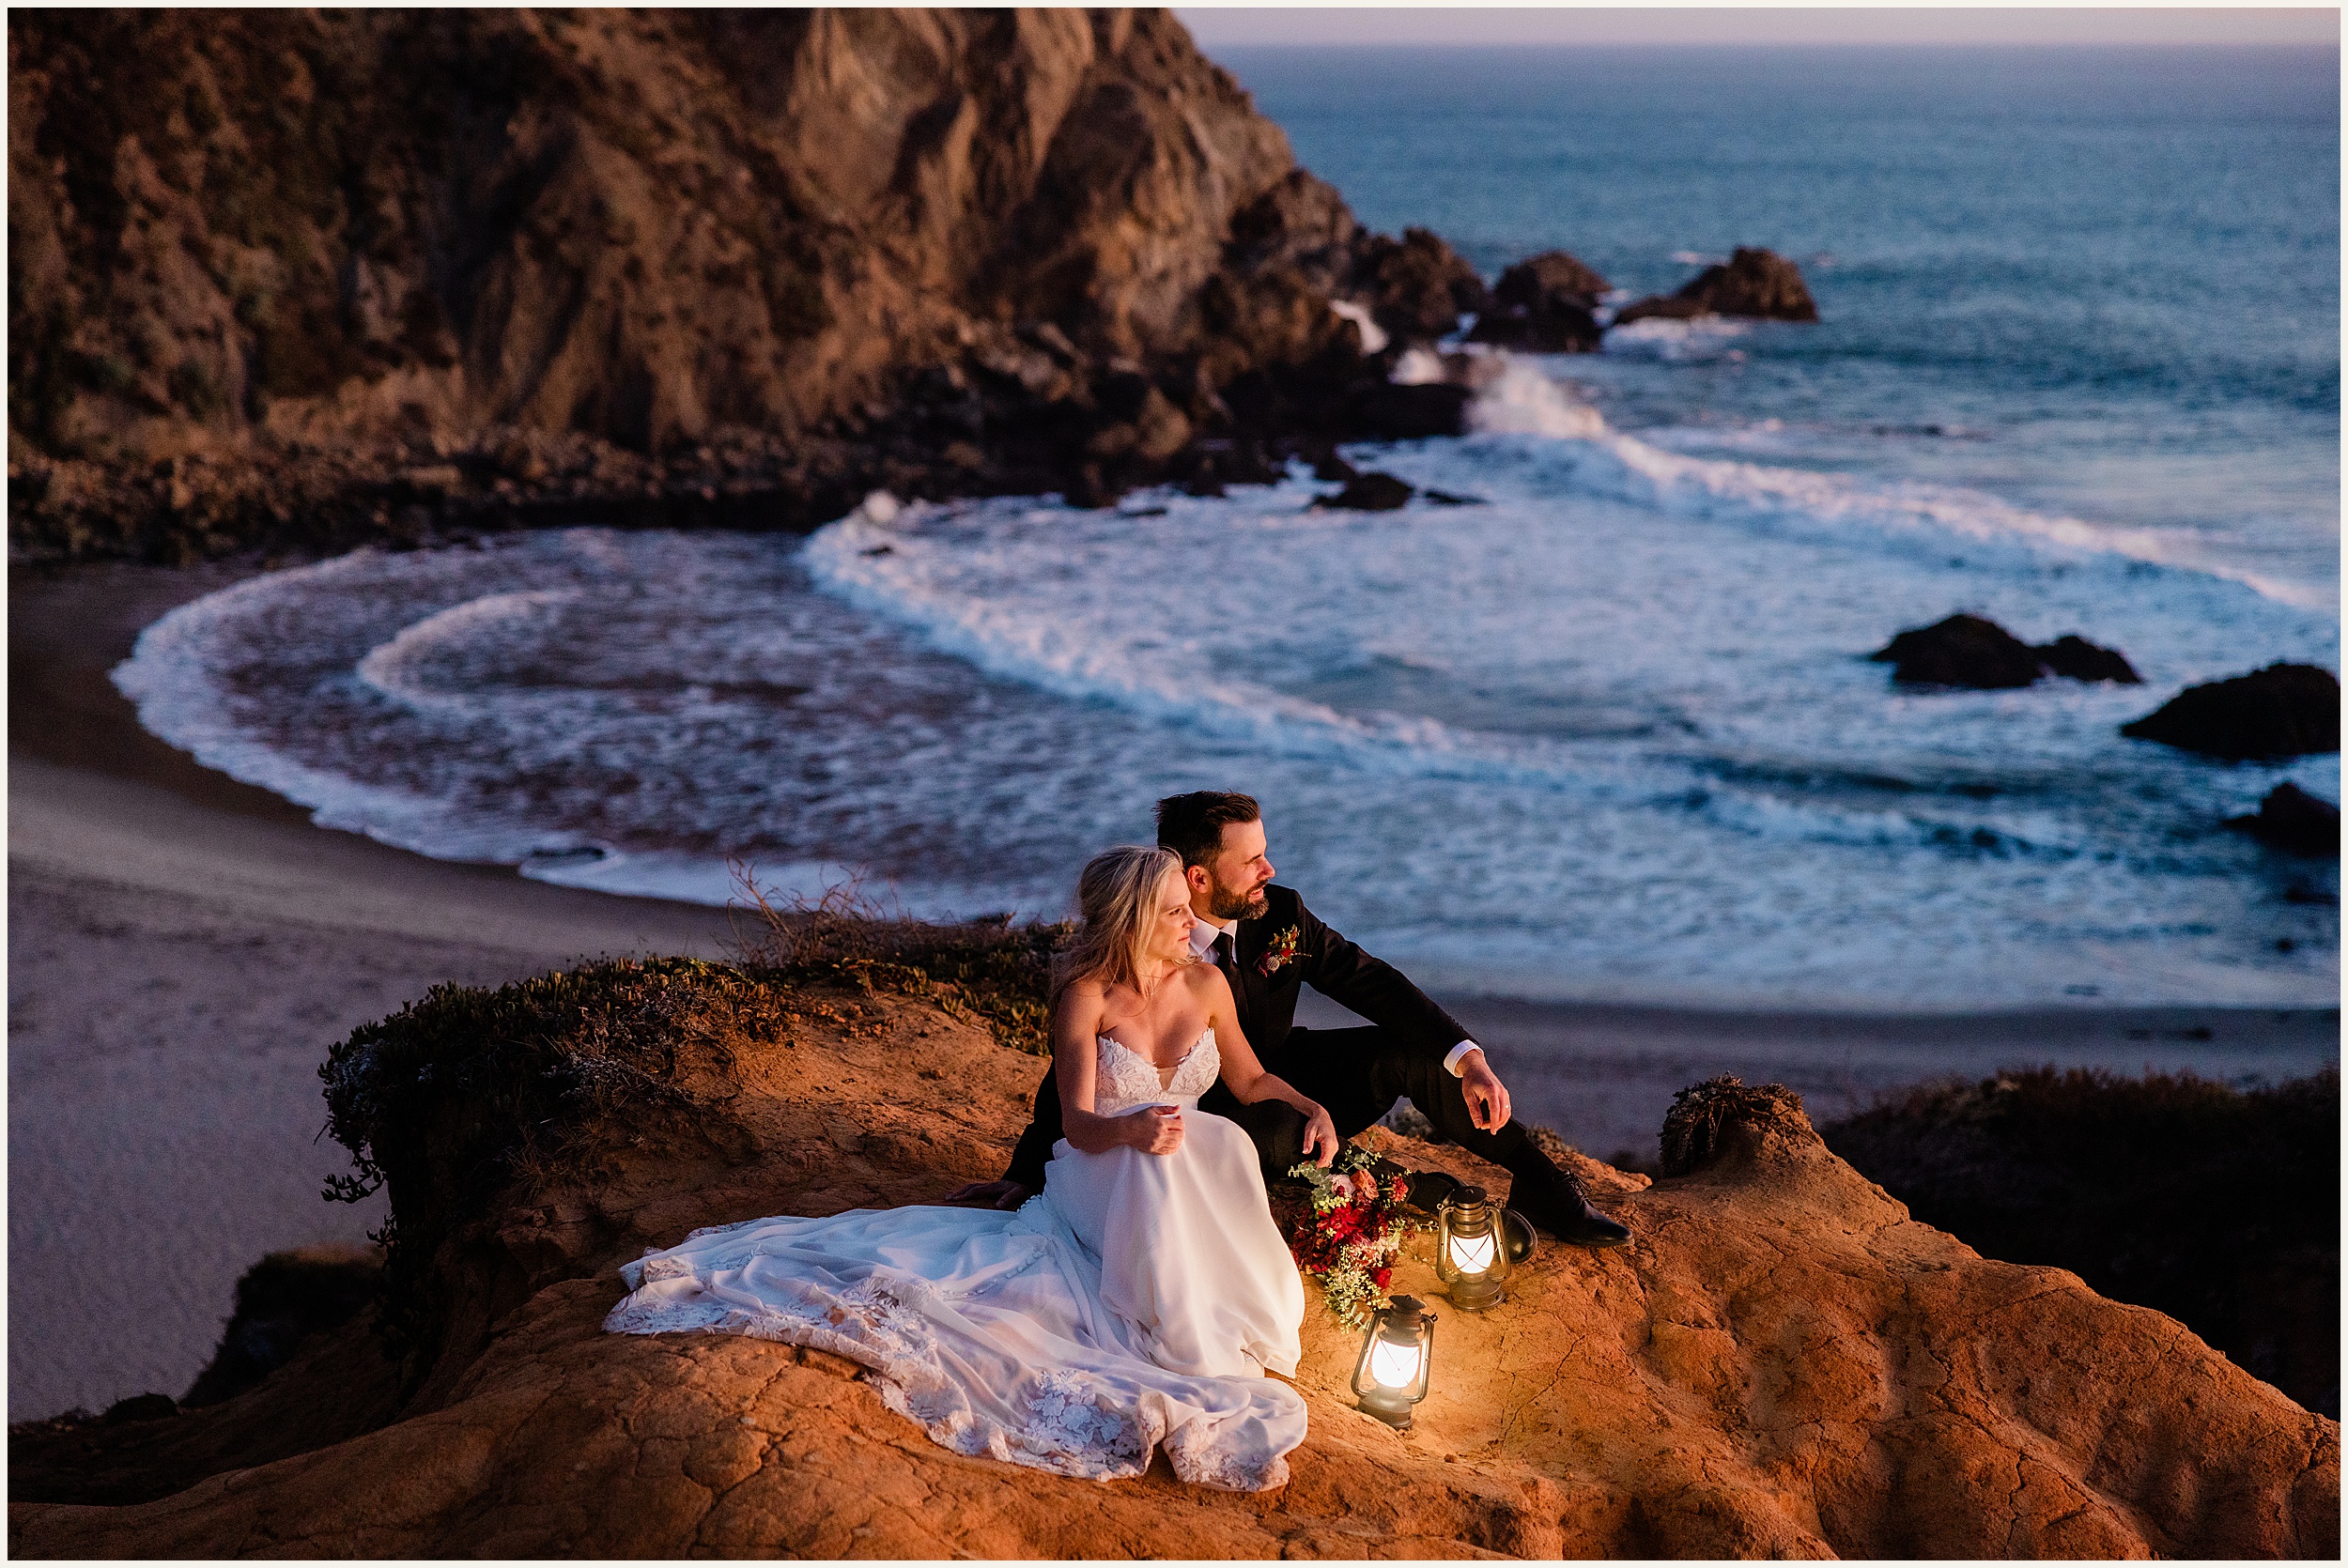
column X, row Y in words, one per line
column 1280, row 954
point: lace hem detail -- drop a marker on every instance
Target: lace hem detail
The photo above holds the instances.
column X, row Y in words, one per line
column 1073, row 1424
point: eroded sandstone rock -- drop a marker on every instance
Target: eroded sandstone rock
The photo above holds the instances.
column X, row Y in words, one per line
column 374, row 275
column 1780, row 1363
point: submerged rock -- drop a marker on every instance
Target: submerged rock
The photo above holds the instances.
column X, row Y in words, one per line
column 1371, row 492
column 1970, row 652
column 1544, row 305
column 1754, row 283
column 1783, row 1363
column 1961, row 651
column 2285, row 710
column 2294, row 820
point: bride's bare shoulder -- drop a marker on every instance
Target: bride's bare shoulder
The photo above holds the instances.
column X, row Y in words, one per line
column 1089, row 993
column 1205, row 981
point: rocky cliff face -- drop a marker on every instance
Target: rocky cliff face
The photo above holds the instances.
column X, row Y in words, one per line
column 1783, row 1363
column 715, row 261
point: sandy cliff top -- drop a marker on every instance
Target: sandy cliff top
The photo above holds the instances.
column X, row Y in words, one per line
column 1782, row 1364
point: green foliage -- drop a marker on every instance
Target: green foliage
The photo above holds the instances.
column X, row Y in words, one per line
column 1348, row 1233
column 445, row 1100
column 2218, row 1206
column 465, row 1090
column 988, row 971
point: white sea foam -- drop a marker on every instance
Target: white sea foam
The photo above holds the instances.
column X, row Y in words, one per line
column 1373, row 336
column 1655, row 337
column 397, row 667
column 1523, row 401
column 1417, row 367
column 1608, row 733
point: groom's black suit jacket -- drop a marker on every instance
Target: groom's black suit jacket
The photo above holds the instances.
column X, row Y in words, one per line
column 1267, row 1009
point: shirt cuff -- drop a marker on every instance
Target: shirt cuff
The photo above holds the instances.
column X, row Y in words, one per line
column 1451, row 1063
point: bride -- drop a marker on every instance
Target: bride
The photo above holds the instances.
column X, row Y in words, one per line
column 1138, row 1299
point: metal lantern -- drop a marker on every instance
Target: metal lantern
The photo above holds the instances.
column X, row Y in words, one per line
column 1398, row 1354
column 1471, row 1255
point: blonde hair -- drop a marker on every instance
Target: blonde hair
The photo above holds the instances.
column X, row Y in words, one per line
column 1114, row 899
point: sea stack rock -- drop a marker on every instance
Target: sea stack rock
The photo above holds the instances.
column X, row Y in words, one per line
column 1968, row 651
column 1417, row 287
column 2075, row 657
column 1754, row 283
column 2285, row 710
column 2294, row 821
column 1962, row 650
column 1544, row 304
column 1388, row 411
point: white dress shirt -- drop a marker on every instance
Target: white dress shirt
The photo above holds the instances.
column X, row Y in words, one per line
column 1202, row 937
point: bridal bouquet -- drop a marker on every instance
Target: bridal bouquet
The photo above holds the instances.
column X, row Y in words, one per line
column 1349, row 1238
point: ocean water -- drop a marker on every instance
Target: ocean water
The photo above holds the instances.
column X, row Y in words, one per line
column 1609, row 733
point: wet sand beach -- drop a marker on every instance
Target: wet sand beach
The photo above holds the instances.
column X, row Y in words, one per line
column 184, row 949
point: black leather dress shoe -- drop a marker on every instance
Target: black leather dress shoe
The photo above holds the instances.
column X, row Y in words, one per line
column 1558, row 1206
column 1427, row 1190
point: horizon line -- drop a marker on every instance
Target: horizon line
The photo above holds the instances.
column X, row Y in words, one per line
column 1769, row 43
column 1375, row 27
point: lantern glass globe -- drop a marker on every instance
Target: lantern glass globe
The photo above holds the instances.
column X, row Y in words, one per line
column 1473, row 1254
column 1393, row 1366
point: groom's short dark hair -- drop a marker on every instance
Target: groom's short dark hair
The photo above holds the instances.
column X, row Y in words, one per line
column 1192, row 825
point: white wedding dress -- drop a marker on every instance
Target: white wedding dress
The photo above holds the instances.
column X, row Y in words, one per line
column 1136, row 1300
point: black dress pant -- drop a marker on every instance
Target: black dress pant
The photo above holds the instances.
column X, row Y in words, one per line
column 1357, row 1075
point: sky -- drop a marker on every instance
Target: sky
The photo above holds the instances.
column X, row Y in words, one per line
column 1215, row 27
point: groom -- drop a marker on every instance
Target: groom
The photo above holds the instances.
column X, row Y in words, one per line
column 1268, row 945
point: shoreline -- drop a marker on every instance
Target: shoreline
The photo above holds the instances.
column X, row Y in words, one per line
column 71, row 623
column 184, row 947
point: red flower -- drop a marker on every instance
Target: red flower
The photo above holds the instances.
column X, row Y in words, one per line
column 1280, row 954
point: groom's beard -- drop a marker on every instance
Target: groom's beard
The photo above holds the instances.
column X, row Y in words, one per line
column 1224, row 904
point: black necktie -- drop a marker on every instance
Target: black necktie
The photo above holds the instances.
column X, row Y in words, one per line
column 1226, row 960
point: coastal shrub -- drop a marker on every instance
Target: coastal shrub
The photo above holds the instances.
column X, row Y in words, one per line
column 989, row 971
column 466, row 1090
column 443, row 1101
column 2218, row 1206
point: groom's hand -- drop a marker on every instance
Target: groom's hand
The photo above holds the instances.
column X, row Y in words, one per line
column 1487, row 1096
column 998, row 1194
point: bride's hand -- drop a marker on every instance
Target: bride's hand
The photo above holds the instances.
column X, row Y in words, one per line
column 1155, row 1129
column 1320, row 1132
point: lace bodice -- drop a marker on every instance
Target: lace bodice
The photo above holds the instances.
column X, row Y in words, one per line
column 1126, row 1078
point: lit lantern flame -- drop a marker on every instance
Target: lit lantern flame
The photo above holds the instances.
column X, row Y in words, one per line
column 1398, row 1353
column 1395, row 1366
column 1471, row 1257
column 1473, row 1254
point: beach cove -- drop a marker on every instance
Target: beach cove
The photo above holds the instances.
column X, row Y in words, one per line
column 271, row 939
